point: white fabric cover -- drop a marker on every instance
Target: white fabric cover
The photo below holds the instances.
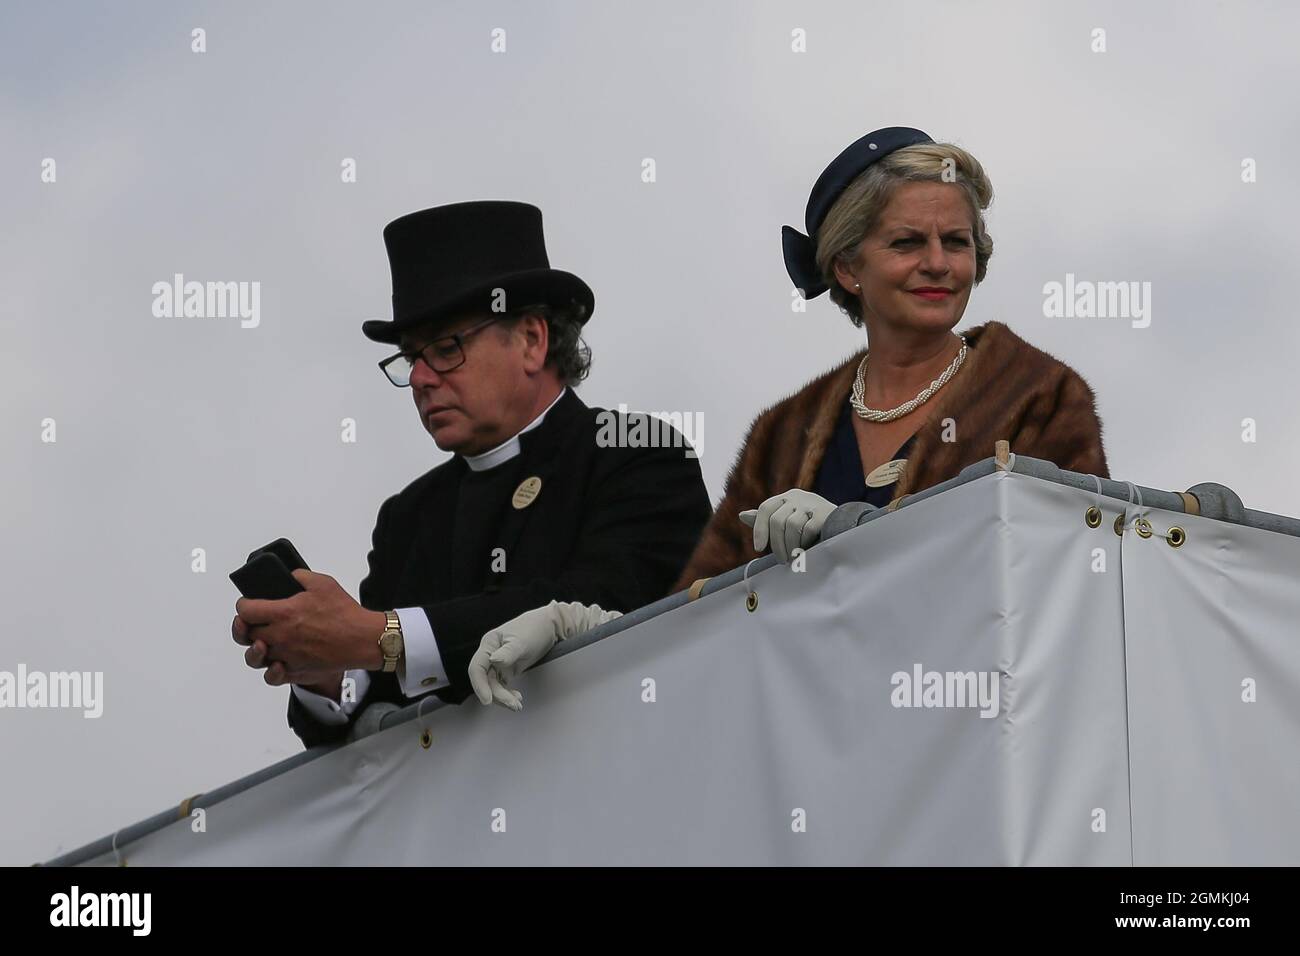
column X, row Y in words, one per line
column 1120, row 695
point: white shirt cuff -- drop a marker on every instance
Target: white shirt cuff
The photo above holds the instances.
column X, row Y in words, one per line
column 328, row 712
column 421, row 670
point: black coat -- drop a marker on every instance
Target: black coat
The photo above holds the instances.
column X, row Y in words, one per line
column 612, row 526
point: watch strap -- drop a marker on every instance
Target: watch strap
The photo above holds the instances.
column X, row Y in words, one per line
column 392, row 627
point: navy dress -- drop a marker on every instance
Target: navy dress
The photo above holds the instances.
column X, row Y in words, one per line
column 840, row 478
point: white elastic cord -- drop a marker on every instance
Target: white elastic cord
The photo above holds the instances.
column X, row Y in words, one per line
column 745, row 577
column 117, row 857
column 1134, row 490
column 1096, row 498
column 1010, row 463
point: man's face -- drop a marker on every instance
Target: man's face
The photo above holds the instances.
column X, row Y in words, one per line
column 470, row 409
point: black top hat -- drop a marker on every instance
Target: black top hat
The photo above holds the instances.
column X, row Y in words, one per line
column 451, row 260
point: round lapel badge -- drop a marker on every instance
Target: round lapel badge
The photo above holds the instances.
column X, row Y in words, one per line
column 526, row 493
column 886, row 473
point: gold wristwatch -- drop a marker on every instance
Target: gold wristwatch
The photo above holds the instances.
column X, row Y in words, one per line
column 390, row 642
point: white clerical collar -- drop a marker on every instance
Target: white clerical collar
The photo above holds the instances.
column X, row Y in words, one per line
column 507, row 449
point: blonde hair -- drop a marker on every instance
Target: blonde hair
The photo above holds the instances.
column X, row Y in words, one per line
column 856, row 212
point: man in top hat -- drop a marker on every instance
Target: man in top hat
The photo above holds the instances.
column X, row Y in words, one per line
column 531, row 508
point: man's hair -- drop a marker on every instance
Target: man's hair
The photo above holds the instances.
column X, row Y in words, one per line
column 565, row 351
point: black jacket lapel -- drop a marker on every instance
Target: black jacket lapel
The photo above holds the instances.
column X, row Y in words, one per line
column 539, row 450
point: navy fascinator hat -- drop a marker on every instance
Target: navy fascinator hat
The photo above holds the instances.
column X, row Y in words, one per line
column 800, row 250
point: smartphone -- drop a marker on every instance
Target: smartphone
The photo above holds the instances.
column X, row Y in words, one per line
column 283, row 549
column 265, row 577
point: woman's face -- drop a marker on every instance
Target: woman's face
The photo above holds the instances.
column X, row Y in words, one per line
column 922, row 242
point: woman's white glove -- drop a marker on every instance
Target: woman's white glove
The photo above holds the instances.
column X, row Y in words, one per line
column 518, row 644
column 792, row 519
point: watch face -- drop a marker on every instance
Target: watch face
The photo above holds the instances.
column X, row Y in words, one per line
column 388, row 644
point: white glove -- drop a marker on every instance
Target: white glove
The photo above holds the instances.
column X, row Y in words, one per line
column 792, row 519
column 518, row 644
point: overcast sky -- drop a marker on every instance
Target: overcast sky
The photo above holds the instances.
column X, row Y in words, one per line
column 175, row 434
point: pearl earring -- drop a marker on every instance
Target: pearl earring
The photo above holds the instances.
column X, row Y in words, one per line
column 857, row 287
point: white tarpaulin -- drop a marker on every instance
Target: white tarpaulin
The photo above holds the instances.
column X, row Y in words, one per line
column 1214, row 695
column 1083, row 698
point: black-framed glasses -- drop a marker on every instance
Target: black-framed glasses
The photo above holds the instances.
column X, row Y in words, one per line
column 442, row 355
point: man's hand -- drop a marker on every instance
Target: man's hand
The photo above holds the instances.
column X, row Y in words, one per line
column 518, row 644
column 311, row 638
column 331, row 685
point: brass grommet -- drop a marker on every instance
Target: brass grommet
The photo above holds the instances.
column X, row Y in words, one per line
column 426, row 739
column 751, row 602
column 1092, row 517
column 1176, row 537
column 1119, row 525
column 1144, row 527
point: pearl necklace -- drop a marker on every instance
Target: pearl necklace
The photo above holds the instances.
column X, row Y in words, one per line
column 875, row 415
